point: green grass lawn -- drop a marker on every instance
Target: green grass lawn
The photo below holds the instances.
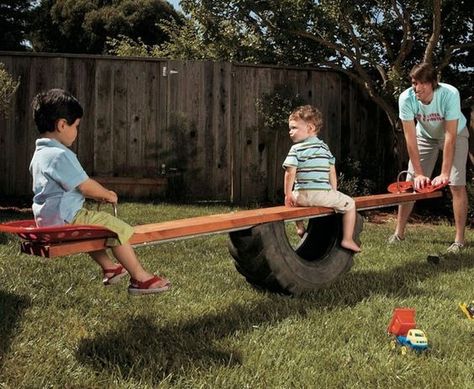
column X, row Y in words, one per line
column 60, row 328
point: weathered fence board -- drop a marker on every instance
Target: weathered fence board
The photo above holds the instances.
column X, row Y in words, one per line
column 197, row 117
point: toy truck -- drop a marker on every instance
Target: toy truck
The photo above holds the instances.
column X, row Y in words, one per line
column 468, row 309
column 403, row 328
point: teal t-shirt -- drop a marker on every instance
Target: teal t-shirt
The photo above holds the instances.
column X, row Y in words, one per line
column 312, row 159
column 56, row 173
column 446, row 105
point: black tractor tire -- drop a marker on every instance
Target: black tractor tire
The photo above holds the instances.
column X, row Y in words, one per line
column 246, row 247
column 265, row 257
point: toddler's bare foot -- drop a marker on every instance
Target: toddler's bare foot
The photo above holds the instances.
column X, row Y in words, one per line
column 350, row 245
column 301, row 231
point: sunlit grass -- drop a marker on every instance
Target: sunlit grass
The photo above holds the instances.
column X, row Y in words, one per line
column 61, row 328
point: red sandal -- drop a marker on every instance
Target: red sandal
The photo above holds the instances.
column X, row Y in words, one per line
column 137, row 288
column 117, row 274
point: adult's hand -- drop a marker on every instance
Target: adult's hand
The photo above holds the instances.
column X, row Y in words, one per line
column 421, row 181
column 440, row 180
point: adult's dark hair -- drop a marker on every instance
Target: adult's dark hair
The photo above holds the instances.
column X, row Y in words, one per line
column 425, row 72
column 49, row 107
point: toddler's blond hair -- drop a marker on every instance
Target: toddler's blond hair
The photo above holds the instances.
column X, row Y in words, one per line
column 309, row 114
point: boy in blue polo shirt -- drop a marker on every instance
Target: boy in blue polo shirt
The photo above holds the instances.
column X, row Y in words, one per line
column 60, row 186
column 310, row 174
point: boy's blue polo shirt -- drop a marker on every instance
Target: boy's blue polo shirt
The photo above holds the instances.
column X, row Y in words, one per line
column 56, row 174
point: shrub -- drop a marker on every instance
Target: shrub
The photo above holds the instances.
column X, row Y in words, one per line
column 352, row 181
column 8, row 87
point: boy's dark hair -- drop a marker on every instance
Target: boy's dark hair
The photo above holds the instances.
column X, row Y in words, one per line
column 425, row 72
column 49, row 107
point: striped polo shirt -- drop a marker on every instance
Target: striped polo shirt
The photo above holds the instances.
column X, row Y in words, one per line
column 312, row 159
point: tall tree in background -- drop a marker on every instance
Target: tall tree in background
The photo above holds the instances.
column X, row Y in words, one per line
column 374, row 42
column 14, row 22
column 83, row 26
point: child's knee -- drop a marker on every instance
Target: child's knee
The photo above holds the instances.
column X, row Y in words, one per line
column 347, row 204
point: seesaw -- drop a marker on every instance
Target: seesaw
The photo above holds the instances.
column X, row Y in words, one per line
column 258, row 241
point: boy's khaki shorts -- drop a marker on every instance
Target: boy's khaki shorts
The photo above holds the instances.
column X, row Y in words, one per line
column 104, row 219
column 340, row 202
column 429, row 150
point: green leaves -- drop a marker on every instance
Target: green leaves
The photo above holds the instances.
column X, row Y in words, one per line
column 275, row 107
column 8, row 87
column 14, row 19
column 83, row 26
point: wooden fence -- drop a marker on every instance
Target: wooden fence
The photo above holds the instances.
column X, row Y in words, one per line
column 197, row 118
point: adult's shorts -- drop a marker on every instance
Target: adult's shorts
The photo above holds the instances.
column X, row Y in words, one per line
column 429, row 150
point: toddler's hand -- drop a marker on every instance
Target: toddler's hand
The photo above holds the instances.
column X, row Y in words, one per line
column 290, row 201
column 112, row 197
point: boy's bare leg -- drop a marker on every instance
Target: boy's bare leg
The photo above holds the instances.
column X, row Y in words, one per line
column 404, row 211
column 348, row 224
column 104, row 261
column 300, row 228
column 126, row 256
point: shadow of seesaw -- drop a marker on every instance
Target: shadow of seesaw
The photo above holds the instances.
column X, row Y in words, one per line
column 139, row 347
column 12, row 307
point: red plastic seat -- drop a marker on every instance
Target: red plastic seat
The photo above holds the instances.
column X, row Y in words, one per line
column 27, row 229
column 405, row 186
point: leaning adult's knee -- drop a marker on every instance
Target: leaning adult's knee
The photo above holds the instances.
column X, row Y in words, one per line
column 457, row 189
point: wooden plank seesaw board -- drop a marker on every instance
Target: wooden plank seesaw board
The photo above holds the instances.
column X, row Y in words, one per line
column 148, row 234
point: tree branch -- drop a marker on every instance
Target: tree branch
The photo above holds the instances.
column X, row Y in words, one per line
column 407, row 39
column 434, row 38
column 449, row 54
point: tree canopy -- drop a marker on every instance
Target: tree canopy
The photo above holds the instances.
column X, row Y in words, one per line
column 374, row 42
column 14, row 22
column 83, row 26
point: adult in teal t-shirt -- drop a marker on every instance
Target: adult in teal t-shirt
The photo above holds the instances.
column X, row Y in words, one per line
column 432, row 121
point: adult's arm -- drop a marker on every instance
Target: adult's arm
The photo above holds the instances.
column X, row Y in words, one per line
column 93, row 190
column 409, row 129
column 450, row 128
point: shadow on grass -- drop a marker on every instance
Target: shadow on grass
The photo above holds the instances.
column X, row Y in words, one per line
column 11, row 311
column 142, row 350
column 397, row 281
